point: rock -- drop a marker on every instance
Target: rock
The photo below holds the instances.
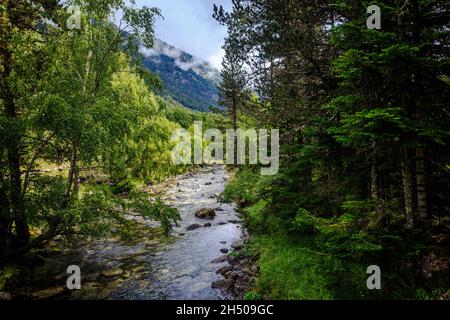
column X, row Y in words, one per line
column 248, row 271
column 222, row 223
column 220, row 259
column 193, row 227
column 112, row 273
column 90, row 291
column 238, row 245
column 220, row 209
column 48, row 293
column 138, row 269
column 207, row 225
column 205, row 213
column 92, row 277
column 5, row 296
column 222, row 284
column 208, row 183
column 222, row 242
column 233, row 260
column 181, row 234
column 60, row 276
column 242, row 280
column 234, row 221
column 224, row 270
column 224, row 250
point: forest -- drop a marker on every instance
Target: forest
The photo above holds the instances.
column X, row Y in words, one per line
column 364, row 121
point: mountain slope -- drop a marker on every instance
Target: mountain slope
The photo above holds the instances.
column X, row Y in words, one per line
column 187, row 79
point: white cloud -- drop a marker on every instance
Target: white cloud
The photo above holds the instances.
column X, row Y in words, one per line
column 206, row 69
column 216, row 59
column 189, row 25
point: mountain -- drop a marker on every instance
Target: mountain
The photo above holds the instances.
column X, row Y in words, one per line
column 187, row 79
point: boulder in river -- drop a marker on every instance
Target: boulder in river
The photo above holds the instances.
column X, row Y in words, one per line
column 220, row 259
column 48, row 293
column 206, row 213
column 112, row 273
column 207, row 225
column 222, row 284
column 193, row 227
column 238, row 245
column 224, row 250
column 224, row 270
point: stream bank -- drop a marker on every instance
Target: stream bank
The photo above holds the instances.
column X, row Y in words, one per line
column 199, row 260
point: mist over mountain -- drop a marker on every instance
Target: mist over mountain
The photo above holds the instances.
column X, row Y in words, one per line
column 187, row 79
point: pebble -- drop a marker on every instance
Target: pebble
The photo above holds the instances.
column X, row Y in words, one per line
column 193, row 227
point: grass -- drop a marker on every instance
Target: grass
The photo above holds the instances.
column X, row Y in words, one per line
column 288, row 271
column 291, row 270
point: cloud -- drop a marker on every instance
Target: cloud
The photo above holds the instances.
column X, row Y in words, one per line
column 216, row 59
column 185, row 61
column 189, row 25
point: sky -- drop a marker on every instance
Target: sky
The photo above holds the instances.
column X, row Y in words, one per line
column 189, row 25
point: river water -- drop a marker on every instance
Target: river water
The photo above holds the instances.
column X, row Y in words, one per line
column 153, row 266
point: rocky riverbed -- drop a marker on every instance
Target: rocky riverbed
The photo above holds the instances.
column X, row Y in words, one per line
column 201, row 259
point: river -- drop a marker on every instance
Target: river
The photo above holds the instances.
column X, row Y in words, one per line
column 153, row 266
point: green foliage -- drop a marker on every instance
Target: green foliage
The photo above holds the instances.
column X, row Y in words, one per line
column 289, row 272
column 156, row 210
column 252, row 296
column 243, row 188
column 77, row 104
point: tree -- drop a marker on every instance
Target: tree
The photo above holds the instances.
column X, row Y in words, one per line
column 232, row 89
column 364, row 121
column 62, row 103
column 17, row 18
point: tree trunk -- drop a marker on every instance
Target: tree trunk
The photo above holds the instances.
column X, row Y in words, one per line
column 422, row 197
column 375, row 192
column 421, row 180
column 76, row 186
column 407, row 179
column 5, row 236
column 234, row 111
column 422, row 200
column 13, row 150
column 70, row 178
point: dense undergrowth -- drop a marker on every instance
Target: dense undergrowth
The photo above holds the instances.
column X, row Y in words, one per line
column 305, row 256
